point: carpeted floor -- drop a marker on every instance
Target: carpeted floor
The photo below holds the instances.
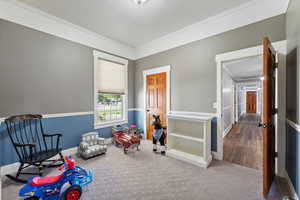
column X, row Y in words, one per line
column 144, row 175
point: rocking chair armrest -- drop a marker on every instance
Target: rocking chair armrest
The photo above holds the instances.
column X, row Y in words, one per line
column 24, row 145
column 52, row 135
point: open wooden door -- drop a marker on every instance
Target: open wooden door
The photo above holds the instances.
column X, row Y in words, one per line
column 156, row 100
column 268, row 115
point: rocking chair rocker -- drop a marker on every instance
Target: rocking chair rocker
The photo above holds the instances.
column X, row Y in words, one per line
column 32, row 145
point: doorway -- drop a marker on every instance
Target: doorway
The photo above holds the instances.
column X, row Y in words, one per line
column 269, row 118
column 242, row 138
column 156, row 97
column 251, row 101
column 155, row 100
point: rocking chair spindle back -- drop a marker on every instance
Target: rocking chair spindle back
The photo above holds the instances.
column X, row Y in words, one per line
column 31, row 144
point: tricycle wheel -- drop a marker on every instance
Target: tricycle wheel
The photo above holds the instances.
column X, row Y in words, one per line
column 125, row 150
column 32, row 198
column 72, row 193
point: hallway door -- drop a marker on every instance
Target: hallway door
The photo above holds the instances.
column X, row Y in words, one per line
column 251, row 102
column 268, row 115
column 156, row 100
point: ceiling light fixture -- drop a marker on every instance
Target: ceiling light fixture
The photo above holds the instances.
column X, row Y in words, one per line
column 140, row 2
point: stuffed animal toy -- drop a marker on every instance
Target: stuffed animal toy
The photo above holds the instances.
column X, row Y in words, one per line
column 158, row 135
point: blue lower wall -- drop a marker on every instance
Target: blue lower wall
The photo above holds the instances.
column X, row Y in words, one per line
column 214, row 136
column 293, row 156
column 139, row 119
column 71, row 127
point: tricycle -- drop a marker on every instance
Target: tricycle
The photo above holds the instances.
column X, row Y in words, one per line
column 66, row 186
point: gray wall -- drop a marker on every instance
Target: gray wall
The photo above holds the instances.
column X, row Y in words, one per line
column 193, row 76
column 41, row 73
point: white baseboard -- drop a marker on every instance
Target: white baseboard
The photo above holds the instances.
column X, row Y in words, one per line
column 108, row 141
column 291, row 187
column 216, row 155
column 11, row 168
column 227, row 130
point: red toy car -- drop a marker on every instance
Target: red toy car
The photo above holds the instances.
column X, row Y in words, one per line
column 125, row 137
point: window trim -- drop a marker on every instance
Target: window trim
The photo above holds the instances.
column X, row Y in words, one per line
column 108, row 57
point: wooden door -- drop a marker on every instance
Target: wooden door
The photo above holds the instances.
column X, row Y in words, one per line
column 156, row 100
column 268, row 115
column 251, row 102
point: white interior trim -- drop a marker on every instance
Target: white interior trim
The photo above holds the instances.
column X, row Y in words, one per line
column 176, row 112
column 135, row 109
column 20, row 13
column 227, row 130
column 100, row 55
column 190, row 116
column 280, row 47
column 11, row 168
column 67, row 114
column 294, row 125
column 56, row 115
column 157, row 70
column 248, row 13
column 215, row 155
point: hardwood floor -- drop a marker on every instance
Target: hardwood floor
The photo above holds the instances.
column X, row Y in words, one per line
column 243, row 144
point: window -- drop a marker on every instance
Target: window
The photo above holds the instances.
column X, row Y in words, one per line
column 110, row 90
column 109, row 107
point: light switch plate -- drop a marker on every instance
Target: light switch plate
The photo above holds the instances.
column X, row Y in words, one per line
column 215, row 105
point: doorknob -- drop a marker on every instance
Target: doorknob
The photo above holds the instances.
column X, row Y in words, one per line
column 148, row 110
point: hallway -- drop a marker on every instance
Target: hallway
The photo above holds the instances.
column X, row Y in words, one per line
column 243, row 144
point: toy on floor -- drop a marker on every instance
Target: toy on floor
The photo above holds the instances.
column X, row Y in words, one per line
column 67, row 186
column 91, row 145
column 127, row 138
column 158, row 135
column 134, row 130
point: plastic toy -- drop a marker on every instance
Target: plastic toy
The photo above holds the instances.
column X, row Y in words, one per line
column 126, row 138
column 67, row 186
column 159, row 135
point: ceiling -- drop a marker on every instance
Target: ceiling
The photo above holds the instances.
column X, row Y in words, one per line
column 247, row 68
column 131, row 24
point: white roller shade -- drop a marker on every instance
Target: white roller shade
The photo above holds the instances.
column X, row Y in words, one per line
column 110, row 77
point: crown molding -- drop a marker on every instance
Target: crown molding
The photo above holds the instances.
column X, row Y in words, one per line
column 248, row 13
column 17, row 12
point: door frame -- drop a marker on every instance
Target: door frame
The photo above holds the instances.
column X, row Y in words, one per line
column 229, row 56
column 256, row 99
column 157, row 70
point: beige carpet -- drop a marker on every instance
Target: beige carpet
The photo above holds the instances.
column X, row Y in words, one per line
column 144, row 175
